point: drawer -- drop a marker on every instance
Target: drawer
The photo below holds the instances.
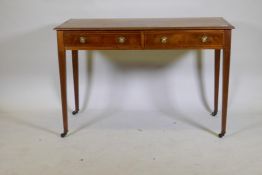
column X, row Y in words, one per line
column 102, row 40
column 184, row 39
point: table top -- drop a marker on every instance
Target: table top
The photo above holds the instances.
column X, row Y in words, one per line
column 145, row 24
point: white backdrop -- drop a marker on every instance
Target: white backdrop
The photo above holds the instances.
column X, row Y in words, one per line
column 126, row 80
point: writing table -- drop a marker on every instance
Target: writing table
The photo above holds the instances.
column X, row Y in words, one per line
column 145, row 34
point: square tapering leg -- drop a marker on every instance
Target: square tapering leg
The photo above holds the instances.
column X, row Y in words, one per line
column 62, row 73
column 76, row 80
column 226, row 70
column 216, row 81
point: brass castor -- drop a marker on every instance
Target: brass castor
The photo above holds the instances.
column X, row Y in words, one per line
column 214, row 113
column 221, row 135
column 75, row 112
column 63, row 134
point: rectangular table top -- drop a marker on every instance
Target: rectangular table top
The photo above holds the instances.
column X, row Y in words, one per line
column 145, row 24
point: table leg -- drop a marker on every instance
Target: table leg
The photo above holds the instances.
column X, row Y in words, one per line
column 62, row 72
column 76, row 80
column 226, row 69
column 216, row 83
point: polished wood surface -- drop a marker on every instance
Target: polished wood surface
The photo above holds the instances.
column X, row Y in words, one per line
column 145, row 23
column 145, row 34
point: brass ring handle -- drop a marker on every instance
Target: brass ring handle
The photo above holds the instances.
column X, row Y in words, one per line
column 121, row 39
column 82, row 40
column 163, row 39
column 204, row 39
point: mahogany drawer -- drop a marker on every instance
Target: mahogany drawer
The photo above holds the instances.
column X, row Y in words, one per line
column 184, row 39
column 102, row 40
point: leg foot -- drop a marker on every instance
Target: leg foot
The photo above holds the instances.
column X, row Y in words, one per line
column 75, row 112
column 221, row 134
column 64, row 134
column 214, row 113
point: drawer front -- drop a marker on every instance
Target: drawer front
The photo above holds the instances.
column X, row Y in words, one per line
column 184, row 39
column 102, row 40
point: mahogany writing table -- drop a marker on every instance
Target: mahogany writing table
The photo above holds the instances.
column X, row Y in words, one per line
column 144, row 34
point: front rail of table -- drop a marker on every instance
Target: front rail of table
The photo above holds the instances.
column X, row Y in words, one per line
column 144, row 34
